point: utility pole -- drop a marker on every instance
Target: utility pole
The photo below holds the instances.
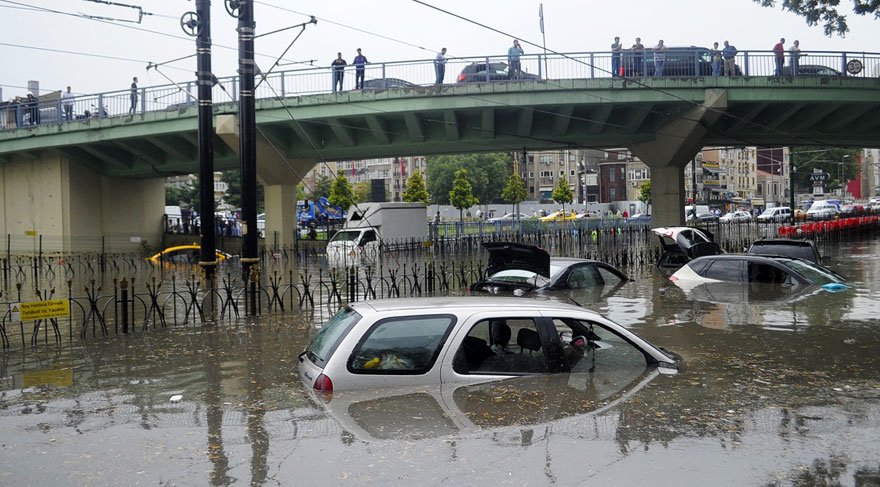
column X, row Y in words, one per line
column 247, row 133
column 198, row 25
column 791, row 180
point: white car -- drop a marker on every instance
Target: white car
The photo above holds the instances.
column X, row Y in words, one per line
column 508, row 217
column 822, row 212
column 736, row 216
column 467, row 340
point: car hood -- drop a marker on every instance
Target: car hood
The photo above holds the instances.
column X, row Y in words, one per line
column 509, row 255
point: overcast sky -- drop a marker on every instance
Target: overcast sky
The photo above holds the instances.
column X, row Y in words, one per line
column 386, row 30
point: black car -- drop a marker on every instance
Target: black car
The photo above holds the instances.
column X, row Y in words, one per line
column 517, row 269
column 812, row 70
column 386, row 83
column 477, row 73
column 786, row 247
column 681, row 244
column 680, row 61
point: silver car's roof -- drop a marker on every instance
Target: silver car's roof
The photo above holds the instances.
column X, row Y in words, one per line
column 473, row 303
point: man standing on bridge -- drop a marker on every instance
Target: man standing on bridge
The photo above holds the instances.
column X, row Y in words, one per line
column 616, row 49
column 338, row 65
column 779, row 55
column 134, row 96
column 360, row 62
column 729, row 55
column 513, row 55
column 440, row 66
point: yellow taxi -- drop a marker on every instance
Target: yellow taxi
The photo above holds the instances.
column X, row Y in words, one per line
column 559, row 216
column 184, row 254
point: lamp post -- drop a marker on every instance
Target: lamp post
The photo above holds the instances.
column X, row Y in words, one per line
column 840, row 174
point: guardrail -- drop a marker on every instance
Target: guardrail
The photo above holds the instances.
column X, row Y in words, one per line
column 679, row 62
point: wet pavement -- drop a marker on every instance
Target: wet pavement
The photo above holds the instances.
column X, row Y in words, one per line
column 780, row 388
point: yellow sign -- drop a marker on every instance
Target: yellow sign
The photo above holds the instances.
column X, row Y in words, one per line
column 56, row 377
column 40, row 310
column 30, row 233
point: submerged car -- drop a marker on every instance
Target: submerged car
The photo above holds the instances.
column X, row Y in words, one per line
column 681, row 244
column 786, row 247
column 430, row 341
column 184, row 254
column 758, row 269
column 519, row 269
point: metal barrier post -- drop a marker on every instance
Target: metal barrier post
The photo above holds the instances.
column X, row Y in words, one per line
column 101, row 111
column 745, row 66
column 124, row 300
column 592, row 66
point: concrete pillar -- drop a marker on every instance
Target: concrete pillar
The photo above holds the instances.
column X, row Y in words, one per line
column 675, row 145
column 280, row 215
column 72, row 207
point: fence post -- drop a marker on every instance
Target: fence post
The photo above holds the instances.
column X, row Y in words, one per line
column 143, row 100
column 487, row 69
column 283, row 92
column 843, row 63
column 745, row 64
column 124, row 298
column 100, row 105
column 540, row 73
column 592, row 66
column 59, row 112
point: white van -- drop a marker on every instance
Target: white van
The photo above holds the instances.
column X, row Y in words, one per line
column 775, row 214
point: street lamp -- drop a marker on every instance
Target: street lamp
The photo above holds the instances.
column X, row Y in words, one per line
column 840, row 173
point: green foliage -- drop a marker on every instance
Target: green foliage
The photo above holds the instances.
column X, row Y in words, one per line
column 515, row 191
column 362, row 192
column 301, row 192
column 416, row 190
column 562, row 193
column 341, row 193
column 461, row 195
column 840, row 163
column 322, row 187
column 645, row 192
column 233, row 190
column 826, row 11
column 186, row 196
column 485, row 171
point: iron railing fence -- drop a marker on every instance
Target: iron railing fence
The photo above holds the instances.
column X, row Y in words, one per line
column 679, row 62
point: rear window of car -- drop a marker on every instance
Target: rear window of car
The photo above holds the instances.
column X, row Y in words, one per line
column 404, row 345
column 324, row 342
column 725, row 270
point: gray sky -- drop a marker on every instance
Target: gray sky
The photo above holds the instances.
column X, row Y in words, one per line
column 410, row 30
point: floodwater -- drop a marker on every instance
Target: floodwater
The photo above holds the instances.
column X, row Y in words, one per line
column 779, row 389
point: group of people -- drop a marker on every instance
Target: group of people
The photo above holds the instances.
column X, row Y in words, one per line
column 338, row 65
column 725, row 57
column 794, row 57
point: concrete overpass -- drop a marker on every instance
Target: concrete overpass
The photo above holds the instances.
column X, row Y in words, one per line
column 105, row 175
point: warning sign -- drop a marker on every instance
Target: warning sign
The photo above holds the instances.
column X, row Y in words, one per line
column 40, row 310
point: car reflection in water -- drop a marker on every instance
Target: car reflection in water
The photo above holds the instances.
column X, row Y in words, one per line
column 452, row 409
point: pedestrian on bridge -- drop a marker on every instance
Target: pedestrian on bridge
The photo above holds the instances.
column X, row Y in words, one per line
column 794, row 57
column 513, row 59
column 360, row 62
column 716, row 59
column 67, row 101
column 659, row 58
column 440, row 66
column 729, row 55
column 638, row 52
column 134, row 96
column 616, row 49
column 338, row 66
column 779, row 55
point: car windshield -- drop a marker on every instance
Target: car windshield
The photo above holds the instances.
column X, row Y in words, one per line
column 519, row 276
column 346, row 236
column 768, row 212
column 324, row 342
column 813, row 273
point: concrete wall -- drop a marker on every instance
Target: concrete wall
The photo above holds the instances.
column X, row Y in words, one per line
column 63, row 206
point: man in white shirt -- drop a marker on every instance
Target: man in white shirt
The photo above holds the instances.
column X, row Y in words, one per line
column 67, row 102
column 440, row 66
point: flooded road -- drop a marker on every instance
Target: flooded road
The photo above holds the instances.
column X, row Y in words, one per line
column 780, row 388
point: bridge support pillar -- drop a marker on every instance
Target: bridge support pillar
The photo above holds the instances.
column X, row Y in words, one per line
column 72, row 207
column 676, row 144
column 280, row 215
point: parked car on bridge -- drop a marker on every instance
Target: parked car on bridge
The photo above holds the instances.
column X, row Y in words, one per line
column 518, row 269
column 680, row 61
column 811, row 70
column 386, row 83
column 479, row 73
column 736, row 216
column 428, row 341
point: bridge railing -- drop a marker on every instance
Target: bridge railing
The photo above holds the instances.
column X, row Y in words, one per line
column 679, row 62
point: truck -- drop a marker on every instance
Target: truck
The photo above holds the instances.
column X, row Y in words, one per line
column 372, row 227
column 311, row 213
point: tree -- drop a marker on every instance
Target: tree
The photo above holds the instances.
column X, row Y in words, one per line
column 461, row 195
column 415, row 189
column 826, row 11
column 645, row 192
column 322, row 187
column 341, row 193
column 362, row 192
column 515, row 191
column 840, row 163
column 233, row 190
column 562, row 193
column 186, row 196
column 484, row 173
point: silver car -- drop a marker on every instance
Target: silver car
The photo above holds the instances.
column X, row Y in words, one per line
column 429, row 341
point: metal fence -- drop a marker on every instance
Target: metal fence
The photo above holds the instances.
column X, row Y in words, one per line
column 679, row 62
